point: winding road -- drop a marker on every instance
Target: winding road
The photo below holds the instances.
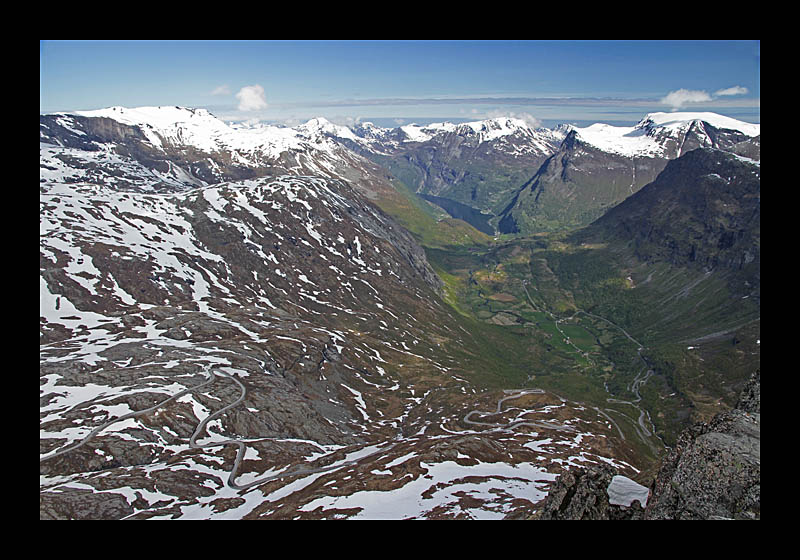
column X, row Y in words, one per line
column 241, row 445
column 97, row 430
column 512, row 425
column 642, row 430
column 242, row 448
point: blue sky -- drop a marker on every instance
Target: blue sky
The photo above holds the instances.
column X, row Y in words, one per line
column 396, row 82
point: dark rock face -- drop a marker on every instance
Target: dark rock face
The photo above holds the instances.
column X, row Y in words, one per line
column 750, row 148
column 714, row 472
column 582, row 494
column 750, row 399
column 87, row 133
column 82, row 504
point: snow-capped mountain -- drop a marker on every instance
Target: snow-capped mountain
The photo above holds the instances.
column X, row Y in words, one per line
column 510, row 136
column 598, row 166
column 665, row 134
column 186, row 148
column 476, row 165
column 681, row 120
column 500, row 132
column 479, row 168
column 169, row 127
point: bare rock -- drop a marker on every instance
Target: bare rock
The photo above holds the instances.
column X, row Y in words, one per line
column 714, row 472
column 580, row 494
column 73, row 503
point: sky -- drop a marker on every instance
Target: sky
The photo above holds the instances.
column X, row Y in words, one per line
column 391, row 83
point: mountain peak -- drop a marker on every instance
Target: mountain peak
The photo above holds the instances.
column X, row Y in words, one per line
column 681, row 119
column 496, row 126
column 320, row 126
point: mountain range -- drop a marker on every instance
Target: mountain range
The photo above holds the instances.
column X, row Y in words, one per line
column 254, row 321
column 500, row 174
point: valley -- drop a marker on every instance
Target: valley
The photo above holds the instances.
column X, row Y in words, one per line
column 275, row 323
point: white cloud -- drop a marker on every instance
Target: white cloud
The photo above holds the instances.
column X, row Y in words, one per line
column 678, row 98
column 346, row 120
column 221, row 90
column 251, row 98
column 735, row 90
column 529, row 119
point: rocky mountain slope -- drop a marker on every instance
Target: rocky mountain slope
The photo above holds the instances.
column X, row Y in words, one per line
column 704, row 209
column 691, row 241
column 267, row 347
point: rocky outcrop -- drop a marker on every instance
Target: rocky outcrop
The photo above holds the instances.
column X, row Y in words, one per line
column 82, row 504
column 714, row 472
column 750, row 399
column 86, row 134
column 582, row 494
